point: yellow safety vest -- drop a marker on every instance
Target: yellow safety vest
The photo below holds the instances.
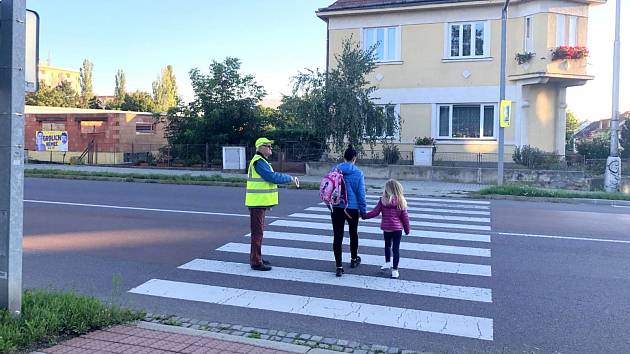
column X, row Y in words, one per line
column 260, row 193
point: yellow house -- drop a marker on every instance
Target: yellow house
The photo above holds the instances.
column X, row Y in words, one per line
column 53, row 76
column 438, row 64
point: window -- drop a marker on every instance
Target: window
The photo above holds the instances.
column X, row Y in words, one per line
column 560, row 31
column 528, row 44
column 467, row 40
column 387, row 129
column 572, row 31
column 386, row 40
column 145, row 128
column 562, row 37
column 471, row 121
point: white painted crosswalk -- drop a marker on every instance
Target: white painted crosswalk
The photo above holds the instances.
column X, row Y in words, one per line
column 449, row 243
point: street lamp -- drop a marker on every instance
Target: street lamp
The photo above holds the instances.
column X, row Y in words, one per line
column 502, row 91
column 613, row 163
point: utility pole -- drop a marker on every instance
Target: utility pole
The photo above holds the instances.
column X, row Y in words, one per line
column 502, row 91
column 612, row 175
column 12, row 83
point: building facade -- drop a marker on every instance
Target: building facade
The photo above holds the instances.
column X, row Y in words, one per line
column 53, row 76
column 438, row 66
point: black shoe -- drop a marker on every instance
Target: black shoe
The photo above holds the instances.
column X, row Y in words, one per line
column 339, row 272
column 355, row 262
column 266, row 262
column 261, row 267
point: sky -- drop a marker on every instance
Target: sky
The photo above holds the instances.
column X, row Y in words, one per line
column 274, row 39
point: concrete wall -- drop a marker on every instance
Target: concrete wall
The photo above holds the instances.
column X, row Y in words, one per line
column 548, row 178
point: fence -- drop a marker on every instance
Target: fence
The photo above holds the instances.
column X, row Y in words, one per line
column 292, row 155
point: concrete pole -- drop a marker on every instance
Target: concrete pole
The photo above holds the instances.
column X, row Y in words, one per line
column 612, row 175
column 502, row 91
column 12, row 51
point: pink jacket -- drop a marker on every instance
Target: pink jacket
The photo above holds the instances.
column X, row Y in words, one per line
column 393, row 219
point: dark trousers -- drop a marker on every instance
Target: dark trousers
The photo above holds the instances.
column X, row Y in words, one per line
column 392, row 244
column 257, row 225
column 339, row 219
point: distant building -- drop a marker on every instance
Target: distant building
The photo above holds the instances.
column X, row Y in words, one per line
column 592, row 129
column 53, row 76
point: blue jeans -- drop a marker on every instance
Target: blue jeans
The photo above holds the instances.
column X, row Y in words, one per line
column 392, row 243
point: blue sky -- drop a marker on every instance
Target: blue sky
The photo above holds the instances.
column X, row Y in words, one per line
column 273, row 38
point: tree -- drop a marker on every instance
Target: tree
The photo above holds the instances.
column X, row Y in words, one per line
column 338, row 105
column 165, row 90
column 625, row 135
column 138, row 101
column 87, row 92
column 596, row 148
column 572, row 124
column 120, row 90
column 63, row 95
column 224, row 110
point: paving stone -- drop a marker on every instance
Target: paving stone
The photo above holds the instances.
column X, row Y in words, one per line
column 323, row 346
column 342, row 342
column 337, row 348
column 287, row 340
column 213, row 324
column 272, row 332
column 239, row 333
column 281, row 333
column 348, row 350
column 299, row 342
column 225, row 325
column 305, row 336
column 276, row 338
column 408, row 352
column 291, row 335
column 263, row 331
column 393, row 350
column 194, row 322
column 195, row 326
column 317, row 338
column 379, row 348
column 204, row 323
column 353, row 344
column 360, row 351
column 185, row 319
column 237, row 327
column 311, row 343
column 264, row 336
column 330, row 341
column 247, row 329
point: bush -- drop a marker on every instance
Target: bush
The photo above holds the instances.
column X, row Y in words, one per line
column 425, row 141
column 535, row 158
column 391, row 154
column 597, row 148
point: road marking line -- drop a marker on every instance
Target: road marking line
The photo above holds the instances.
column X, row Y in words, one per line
column 460, row 201
column 406, row 263
column 140, row 209
column 376, row 230
column 563, row 237
column 444, row 211
column 424, row 216
column 412, row 222
column 348, row 280
column 419, row 247
column 418, row 320
column 441, row 205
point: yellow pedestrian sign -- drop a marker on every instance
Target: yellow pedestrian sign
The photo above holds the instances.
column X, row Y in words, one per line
column 505, row 113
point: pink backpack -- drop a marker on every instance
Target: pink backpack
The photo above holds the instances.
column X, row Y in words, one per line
column 332, row 189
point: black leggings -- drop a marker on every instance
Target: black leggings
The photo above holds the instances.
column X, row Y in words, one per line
column 339, row 218
column 392, row 237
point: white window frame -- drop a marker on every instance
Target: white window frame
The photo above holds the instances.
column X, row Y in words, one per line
column 561, row 30
column 573, row 23
column 495, row 121
column 142, row 124
column 473, row 42
column 528, row 35
column 371, row 32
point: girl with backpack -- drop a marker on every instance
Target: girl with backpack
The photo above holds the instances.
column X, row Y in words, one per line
column 349, row 209
column 395, row 219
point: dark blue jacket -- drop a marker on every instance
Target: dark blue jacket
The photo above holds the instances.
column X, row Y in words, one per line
column 355, row 184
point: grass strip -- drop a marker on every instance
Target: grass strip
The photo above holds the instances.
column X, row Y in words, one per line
column 48, row 317
column 214, row 180
column 528, row 191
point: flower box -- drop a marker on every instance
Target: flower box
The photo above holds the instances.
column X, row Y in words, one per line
column 567, row 52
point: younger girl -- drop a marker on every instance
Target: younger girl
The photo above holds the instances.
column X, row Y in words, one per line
column 395, row 219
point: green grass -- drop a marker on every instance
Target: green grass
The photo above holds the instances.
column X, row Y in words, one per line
column 50, row 316
column 527, row 191
column 214, row 180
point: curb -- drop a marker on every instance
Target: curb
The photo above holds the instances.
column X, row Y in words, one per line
column 287, row 347
column 606, row 202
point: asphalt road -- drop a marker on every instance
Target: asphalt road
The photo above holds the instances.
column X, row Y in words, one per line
column 559, row 279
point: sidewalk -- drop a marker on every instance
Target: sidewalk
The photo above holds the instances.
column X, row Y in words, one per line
column 145, row 338
column 427, row 188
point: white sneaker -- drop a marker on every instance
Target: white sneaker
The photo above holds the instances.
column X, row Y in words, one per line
column 386, row 266
column 395, row 273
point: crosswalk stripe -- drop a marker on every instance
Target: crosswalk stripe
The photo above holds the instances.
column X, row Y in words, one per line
column 419, row 320
column 406, row 263
column 412, row 222
column 349, row 280
column 441, row 205
column 375, row 230
column 443, row 211
column 408, row 246
column 460, row 201
column 424, row 216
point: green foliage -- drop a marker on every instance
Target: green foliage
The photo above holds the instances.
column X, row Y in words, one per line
column 527, row 191
column 535, row 158
column 47, row 316
column 224, row 110
column 337, row 105
column 63, row 95
column 120, row 90
column 138, row 101
column 165, row 90
column 625, row 137
column 424, row 141
column 87, row 91
column 596, row 148
column 391, row 153
column 572, row 124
